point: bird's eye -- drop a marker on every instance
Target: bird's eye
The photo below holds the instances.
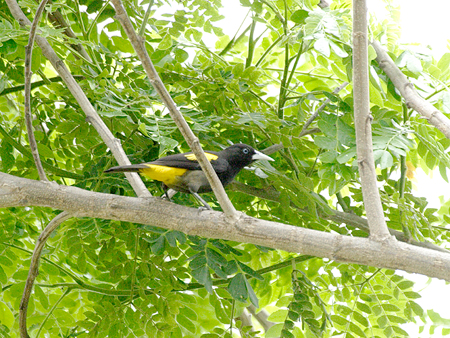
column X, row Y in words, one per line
column 245, row 151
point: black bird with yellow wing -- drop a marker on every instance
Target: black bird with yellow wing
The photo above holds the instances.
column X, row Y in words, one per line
column 182, row 172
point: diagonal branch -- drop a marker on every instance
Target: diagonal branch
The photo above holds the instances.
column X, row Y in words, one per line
column 80, row 97
column 363, row 119
column 193, row 142
column 27, row 94
column 58, row 21
column 412, row 98
column 321, row 108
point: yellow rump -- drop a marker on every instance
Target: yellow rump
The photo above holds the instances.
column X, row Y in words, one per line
column 167, row 175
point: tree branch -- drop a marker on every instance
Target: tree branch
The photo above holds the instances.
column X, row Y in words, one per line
column 17, row 192
column 321, row 108
column 80, row 97
column 27, row 94
column 412, row 98
column 58, row 21
column 261, row 317
column 363, row 119
column 336, row 216
column 191, row 139
column 34, row 265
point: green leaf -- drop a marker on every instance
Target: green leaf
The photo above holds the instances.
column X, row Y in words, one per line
column 248, row 270
column 81, row 262
column 325, row 142
column 3, row 276
column 186, row 323
column 329, row 156
column 198, row 261
column 406, row 284
column 251, row 294
column 299, row 16
column 159, row 246
column 238, row 288
column 203, row 277
column 41, row 296
column 361, row 319
column 339, row 320
column 6, row 154
column 6, row 315
column 215, row 257
column 278, row 316
column 346, row 155
column 165, row 43
column 44, row 151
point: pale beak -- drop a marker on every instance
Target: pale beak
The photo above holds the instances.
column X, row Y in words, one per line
column 260, row 156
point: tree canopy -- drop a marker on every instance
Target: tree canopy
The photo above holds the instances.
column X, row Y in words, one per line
column 282, row 84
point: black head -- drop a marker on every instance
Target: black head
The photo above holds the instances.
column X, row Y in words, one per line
column 241, row 155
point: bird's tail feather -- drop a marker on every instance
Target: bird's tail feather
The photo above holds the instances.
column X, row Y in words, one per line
column 126, row 168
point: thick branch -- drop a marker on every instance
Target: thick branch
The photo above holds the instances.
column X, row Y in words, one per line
column 191, row 139
column 82, row 100
column 16, row 192
column 412, row 98
column 363, row 119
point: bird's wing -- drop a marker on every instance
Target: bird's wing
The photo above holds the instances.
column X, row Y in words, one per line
column 189, row 161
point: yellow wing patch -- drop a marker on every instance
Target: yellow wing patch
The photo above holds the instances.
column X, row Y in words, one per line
column 167, row 175
column 210, row 157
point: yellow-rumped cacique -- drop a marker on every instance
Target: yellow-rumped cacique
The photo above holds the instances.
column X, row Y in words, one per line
column 182, row 172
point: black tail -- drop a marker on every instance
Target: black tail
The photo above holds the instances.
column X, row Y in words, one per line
column 126, row 168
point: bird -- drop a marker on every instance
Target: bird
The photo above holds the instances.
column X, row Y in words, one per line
column 182, row 172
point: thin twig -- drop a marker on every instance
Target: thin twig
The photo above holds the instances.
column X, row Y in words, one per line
column 33, row 272
column 58, row 21
column 191, row 139
column 321, row 108
column 366, row 164
column 145, row 19
column 27, row 94
column 35, row 84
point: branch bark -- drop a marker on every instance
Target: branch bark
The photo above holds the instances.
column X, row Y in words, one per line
column 86, row 106
column 412, row 98
column 21, row 192
column 27, row 93
column 336, row 216
column 193, row 142
column 33, row 272
column 363, row 119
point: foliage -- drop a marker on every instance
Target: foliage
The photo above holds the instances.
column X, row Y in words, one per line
column 100, row 278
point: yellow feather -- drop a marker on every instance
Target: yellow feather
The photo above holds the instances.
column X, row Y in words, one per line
column 167, row 175
column 209, row 156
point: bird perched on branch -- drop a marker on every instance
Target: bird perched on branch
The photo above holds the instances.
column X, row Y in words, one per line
column 182, row 172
